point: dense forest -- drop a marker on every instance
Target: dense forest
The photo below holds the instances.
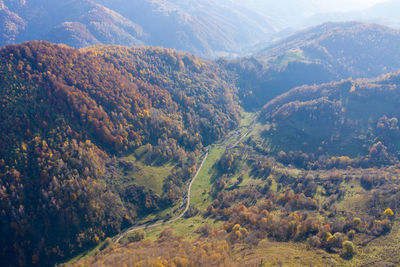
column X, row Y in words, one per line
column 67, row 115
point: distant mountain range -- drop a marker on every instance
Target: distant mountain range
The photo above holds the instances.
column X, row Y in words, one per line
column 341, row 48
column 205, row 27
column 202, row 27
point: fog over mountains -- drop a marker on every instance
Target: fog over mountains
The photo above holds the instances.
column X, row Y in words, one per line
column 205, row 27
column 384, row 13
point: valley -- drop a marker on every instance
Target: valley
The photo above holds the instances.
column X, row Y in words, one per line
column 197, row 195
column 139, row 155
column 351, row 202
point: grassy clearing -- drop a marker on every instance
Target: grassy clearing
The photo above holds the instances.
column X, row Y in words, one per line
column 201, row 198
column 201, row 189
column 151, row 177
column 356, row 198
column 87, row 254
column 284, row 60
column 269, row 253
column 255, row 135
column 185, row 227
column 247, row 119
column 247, row 180
column 383, row 251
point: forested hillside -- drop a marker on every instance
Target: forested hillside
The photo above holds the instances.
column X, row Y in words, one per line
column 68, row 116
column 76, row 23
column 325, row 53
column 348, row 118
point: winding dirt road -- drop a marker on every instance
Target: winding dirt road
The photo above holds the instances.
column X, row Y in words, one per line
column 134, row 229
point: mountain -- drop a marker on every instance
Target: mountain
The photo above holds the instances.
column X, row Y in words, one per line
column 81, row 129
column 349, row 49
column 202, row 27
column 328, row 52
column 206, row 27
column 96, row 140
column 10, row 24
column 77, row 23
column 286, row 13
column 351, row 118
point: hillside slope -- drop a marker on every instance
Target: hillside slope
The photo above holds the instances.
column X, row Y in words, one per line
column 325, row 53
column 350, row 49
column 76, row 23
column 68, row 116
column 348, row 118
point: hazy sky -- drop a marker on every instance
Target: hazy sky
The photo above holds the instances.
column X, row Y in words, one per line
column 345, row 5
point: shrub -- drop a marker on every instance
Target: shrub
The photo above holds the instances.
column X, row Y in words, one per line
column 204, row 230
column 389, row 213
column 348, row 249
column 366, row 182
column 357, row 224
column 380, row 227
column 136, row 236
column 108, row 242
column 351, row 234
column 315, row 241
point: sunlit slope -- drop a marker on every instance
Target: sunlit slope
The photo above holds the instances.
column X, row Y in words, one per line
column 325, row 53
column 342, row 118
